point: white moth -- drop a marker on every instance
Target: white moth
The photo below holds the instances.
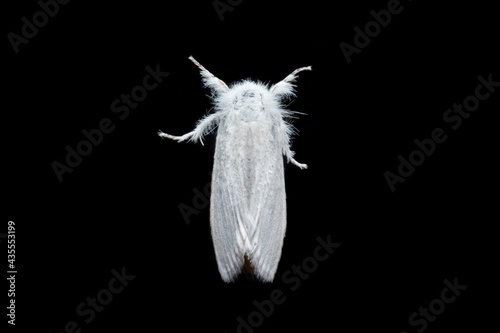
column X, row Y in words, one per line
column 248, row 201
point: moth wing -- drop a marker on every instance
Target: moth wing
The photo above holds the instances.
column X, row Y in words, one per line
column 268, row 209
column 226, row 211
column 248, row 203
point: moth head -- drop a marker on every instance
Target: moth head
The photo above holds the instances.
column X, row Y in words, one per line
column 248, row 94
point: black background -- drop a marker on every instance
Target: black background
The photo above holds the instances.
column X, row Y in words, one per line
column 119, row 207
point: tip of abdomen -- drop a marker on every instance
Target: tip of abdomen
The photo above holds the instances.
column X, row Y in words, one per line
column 247, row 269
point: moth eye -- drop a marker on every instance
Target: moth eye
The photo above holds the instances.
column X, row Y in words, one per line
column 249, row 94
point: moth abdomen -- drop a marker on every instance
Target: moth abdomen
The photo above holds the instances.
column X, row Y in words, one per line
column 247, row 269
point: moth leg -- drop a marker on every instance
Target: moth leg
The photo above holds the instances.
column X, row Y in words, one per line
column 289, row 156
column 300, row 165
column 181, row 138
column 203, row 127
